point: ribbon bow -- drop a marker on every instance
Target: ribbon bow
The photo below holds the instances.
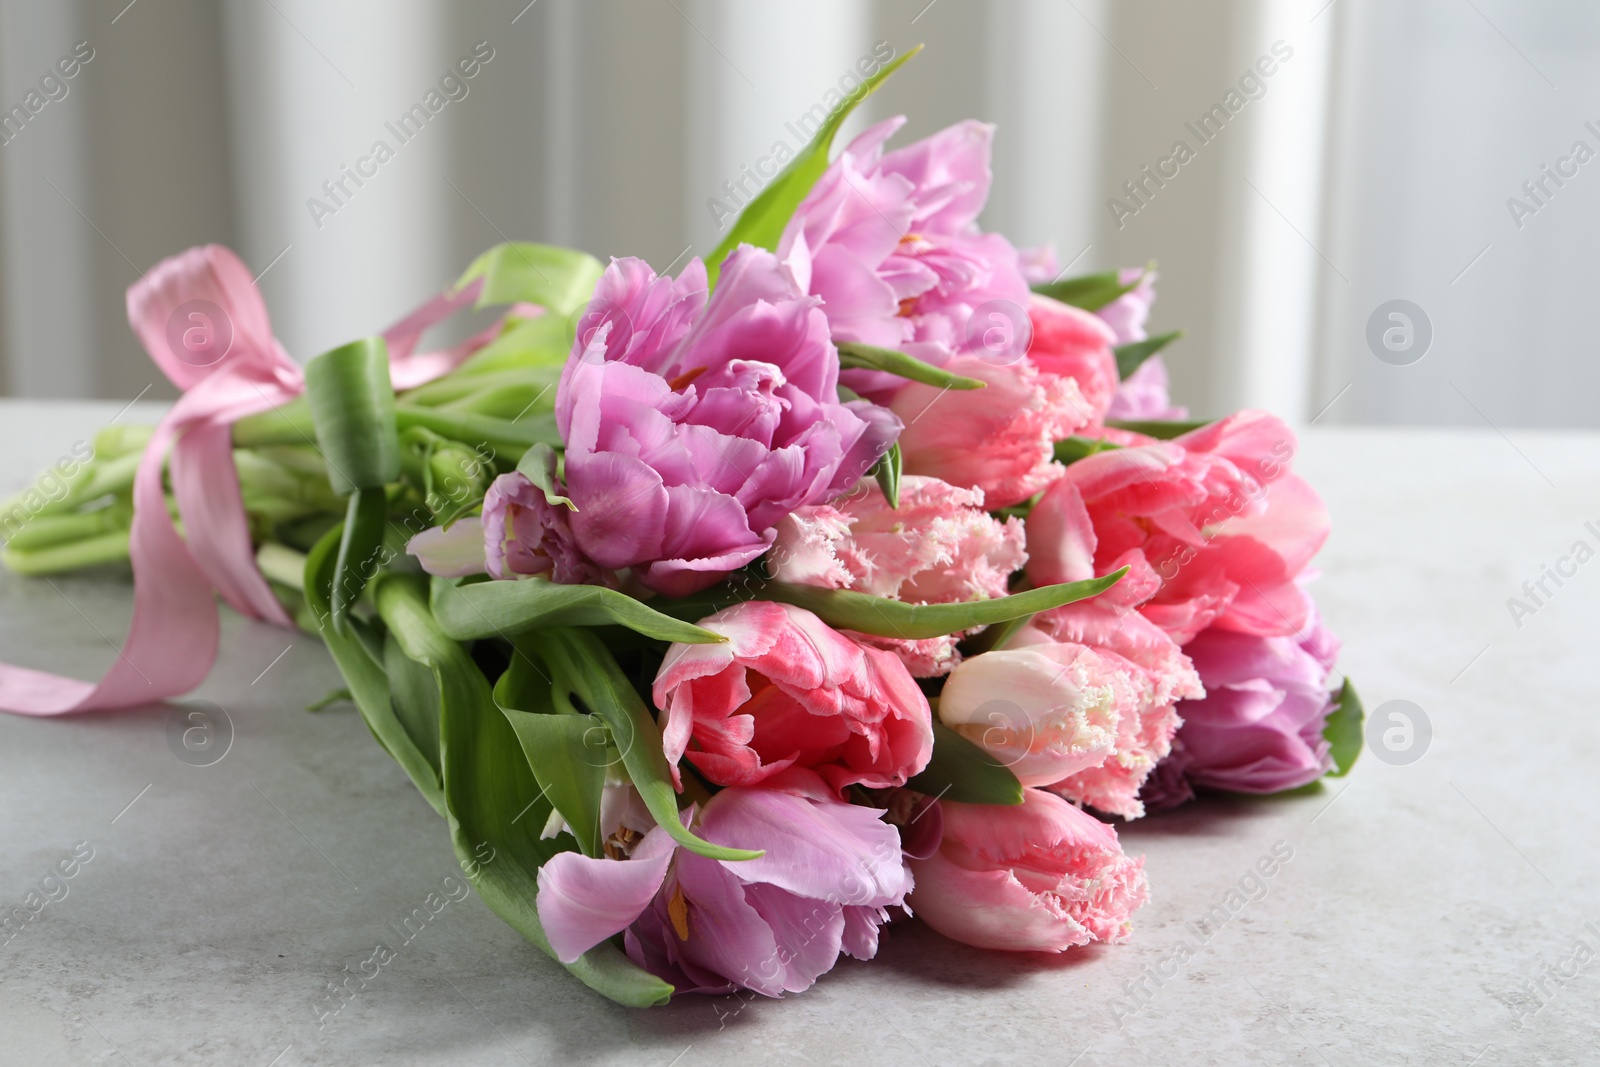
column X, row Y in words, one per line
column 203, row 321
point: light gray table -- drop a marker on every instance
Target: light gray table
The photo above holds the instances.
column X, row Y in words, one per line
column 1414, row 913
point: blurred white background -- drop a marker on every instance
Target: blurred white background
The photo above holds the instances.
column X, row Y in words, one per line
column 1375, row 163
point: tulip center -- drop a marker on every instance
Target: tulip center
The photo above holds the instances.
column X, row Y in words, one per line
column 786, row 729
column 678, row 912
column 682, row 381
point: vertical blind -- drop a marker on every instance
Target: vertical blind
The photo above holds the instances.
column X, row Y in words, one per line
column 351, row 158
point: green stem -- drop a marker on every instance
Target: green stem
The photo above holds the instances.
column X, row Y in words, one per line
column 454, row 388
column 72, row 556
column 506, row 437
column 287, row 425
column 93, row 482
column 291, row 425
column 283, row 565
column 48, row 531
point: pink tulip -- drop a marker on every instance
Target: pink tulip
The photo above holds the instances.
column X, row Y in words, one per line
column 890, row 242
column 1073, row 343
column 771, row 925
column 692, row 426
column 1215, row 515
column 786, row 690
column 938, row 547
column 1000, row 439
column 1040, row 877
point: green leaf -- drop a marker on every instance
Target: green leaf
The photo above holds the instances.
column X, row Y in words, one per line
column 1161, row 429
column 847, row 610
column 1089, row 291
column 352, row 408
column 538, row 464
column 566, row 752
column 993, row 637
column 330, row 698
column 887, row 471
column 530, row 347
column 359, row 542
column 367, row 682
column 1130, row 355
column 1343, row 731
column 1075, row 448
column 762, row 221
column 964, row 772
column 870, row 357
column 495, row 805
column 504, row 609
column 561, row 279
column 415, row 699
column 582, row 664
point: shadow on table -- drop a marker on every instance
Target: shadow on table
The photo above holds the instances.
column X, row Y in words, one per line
column 1217, row 816
column 912, row 957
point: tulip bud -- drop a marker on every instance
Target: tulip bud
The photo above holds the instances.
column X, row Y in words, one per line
column 1047, row 711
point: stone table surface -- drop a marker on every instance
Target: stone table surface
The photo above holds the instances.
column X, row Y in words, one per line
column 1445, row 912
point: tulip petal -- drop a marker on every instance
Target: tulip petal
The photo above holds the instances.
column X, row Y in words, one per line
column 582, row 900
column 824, row 849
column 453, row 551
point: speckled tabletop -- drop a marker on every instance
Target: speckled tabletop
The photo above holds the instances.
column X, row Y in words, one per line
column 1443, row 913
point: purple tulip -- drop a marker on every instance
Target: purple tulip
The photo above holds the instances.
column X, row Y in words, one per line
column 1127, row 314
column 693, row 426
column 771, row 925
column 525, row 534
column 1259, row 727
column 1143, row 394
column 890, row 242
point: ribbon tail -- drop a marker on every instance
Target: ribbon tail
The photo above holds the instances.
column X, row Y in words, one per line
column 206, row 485
column 172, row 641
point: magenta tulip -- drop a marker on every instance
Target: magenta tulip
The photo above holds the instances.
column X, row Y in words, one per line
column 692, row 426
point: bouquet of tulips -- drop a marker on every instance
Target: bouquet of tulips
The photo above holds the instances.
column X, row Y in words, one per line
column 862, row 569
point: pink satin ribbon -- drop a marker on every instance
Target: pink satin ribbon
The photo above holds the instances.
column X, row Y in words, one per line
column 172, row 641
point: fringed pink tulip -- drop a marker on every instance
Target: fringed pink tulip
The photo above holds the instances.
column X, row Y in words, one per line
column 1039, row 877
column 938, row 547
column 1075, row 344
column 1000, row 439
